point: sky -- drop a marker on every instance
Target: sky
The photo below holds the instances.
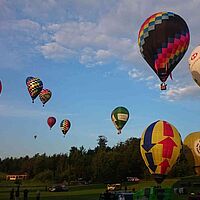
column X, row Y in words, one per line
column 86, row 53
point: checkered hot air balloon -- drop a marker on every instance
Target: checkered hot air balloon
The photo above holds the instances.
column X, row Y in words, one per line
column 160, row 146
column 34, row 86
column 28, row 79
column 45, row 95
column 163, row 40
column 65, row 126
column 119, row 117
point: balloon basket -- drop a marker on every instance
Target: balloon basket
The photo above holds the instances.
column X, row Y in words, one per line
column 159, row 178
column 119, row 132
column 163, row 86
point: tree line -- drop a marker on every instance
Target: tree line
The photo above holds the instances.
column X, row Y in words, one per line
column 102, row 164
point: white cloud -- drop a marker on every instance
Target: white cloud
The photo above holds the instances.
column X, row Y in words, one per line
column 181, row 92
column 22, row 26
column 134, row 73
column 103, row 54
column 91, row 58
column 139, row 75
column 55, row 51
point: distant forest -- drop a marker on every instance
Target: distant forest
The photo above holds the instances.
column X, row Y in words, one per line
column 101, row 164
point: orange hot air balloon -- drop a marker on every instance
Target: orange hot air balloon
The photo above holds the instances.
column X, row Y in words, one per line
column 192, row 141
column 160, row 147
column 51, row 121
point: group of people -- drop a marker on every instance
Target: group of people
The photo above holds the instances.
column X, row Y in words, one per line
column 14, row 195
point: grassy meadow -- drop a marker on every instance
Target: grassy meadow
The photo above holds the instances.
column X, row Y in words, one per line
column 81, row 192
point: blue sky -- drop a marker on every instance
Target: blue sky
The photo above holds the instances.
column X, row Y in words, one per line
column 86, row 53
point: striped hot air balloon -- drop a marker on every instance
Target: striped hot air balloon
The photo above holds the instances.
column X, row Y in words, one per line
column 65, row 126
column 160, row 147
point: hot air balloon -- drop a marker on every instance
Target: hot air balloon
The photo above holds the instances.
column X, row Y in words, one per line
column 35, row 136
column 0, row 86
column 119, row 117
column 194, row 65
column 45, row 95
column 65, row 126
column 28, row 79
column 163, row 40
column 192, row 141
column 34, row 86
column 160, row 147
column 51, row 121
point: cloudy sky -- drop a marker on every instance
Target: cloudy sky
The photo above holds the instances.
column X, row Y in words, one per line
column 86, row 53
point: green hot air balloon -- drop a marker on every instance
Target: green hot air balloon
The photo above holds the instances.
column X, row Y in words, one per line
column 119, row 117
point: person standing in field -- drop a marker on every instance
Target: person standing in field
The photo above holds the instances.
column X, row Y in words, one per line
column 17, row 193
column 12, row 194
column 38, row 195
column 26, row 194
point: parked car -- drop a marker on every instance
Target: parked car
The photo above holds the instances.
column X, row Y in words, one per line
column 112, row 187
column 58, row 188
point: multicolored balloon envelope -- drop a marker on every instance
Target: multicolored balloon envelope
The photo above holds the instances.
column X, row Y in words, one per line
column 163, row 40
column 194, row 64
column 119, row 117
column 34, row 86
column 160, row 147
column 28, row 79
column 65, row 126
column 0, row 86
column 45, row 95
column 51, row 121
column 192, row 141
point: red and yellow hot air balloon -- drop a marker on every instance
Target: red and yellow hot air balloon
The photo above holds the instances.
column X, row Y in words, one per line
column 192, row 141
column 45, row 95
column 65, row 126
column 51, row 121
column 160, row 147
column 163, row 40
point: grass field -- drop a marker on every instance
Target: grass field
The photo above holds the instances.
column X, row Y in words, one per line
column 84, row 192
